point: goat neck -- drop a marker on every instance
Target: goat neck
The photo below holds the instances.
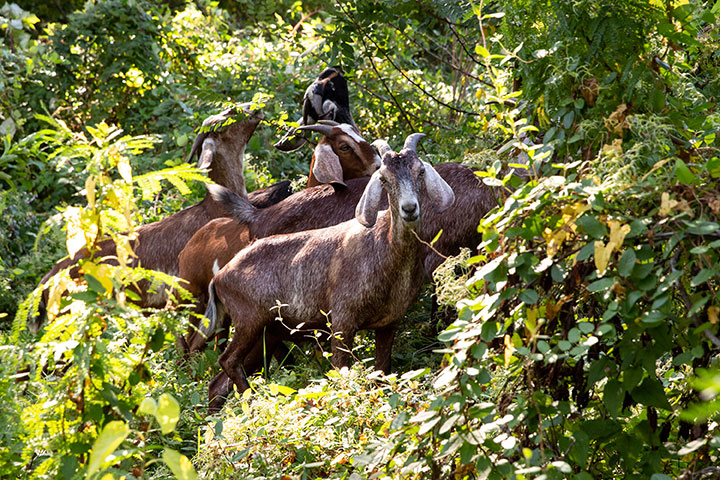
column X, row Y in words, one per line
column 221, row 147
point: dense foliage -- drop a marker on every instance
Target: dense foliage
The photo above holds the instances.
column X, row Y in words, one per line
column 584, row 339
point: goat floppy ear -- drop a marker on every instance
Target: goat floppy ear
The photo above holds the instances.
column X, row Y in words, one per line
column 207, row 153
column 327, row 168
column 440, row 193
column 367, row 208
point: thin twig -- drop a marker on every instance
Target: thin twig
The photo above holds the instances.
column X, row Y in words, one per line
column 305, row 17
column 387, row 100
column 441, row 59
column 398, row 68
column 428, row 245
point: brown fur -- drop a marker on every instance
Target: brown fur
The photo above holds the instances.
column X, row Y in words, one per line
column 358, row 159
column 363, row 276
column 158, row 244
column 321, row 206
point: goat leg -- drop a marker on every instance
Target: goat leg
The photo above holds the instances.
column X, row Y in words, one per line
column 219, row 389
column 383, row 347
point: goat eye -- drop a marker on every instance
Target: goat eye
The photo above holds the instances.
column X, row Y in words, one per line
column 344, row 147
column 421, row 172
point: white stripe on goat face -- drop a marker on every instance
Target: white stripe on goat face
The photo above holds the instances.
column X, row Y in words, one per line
column 350, row 131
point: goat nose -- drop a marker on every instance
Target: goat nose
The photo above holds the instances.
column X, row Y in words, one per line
column 409, row 210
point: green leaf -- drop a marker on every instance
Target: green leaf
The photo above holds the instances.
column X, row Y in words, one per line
column 467, row 451
column 653, row 317
column 651, row 393
column 148, row 406
column 179, row 464
column 660, row 476
column 600, row 285
column 626, row 262
column 702, row 276
column 109, row 439
column 613, row 395
column 592, row 226
column 684, row 174
column 168, row 413
column 94, row 284
column 713, row 167
column 581, row 448
column 700, row 227
column 529, row 296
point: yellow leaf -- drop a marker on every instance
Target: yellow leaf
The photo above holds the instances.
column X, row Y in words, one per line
column 602, row 256
column 666, row 204
column 618, row 233
column 531, row 320
column 102, row 273
column 125, row 169
column 109, row 439
column 167, row 413
column 179, row 464
column 90, row 190
column 509, row 349
column 712, row 312
column 58, row 287
column 148, row 406
column 123, row 250
column 75, row 234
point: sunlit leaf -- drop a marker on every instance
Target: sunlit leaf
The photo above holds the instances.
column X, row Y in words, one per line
column 167, row 413
column 179, row 464
column 109, row 439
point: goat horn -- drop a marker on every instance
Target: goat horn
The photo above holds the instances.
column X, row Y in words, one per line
column 332, row 123
column 412, row 140
column 324, row 129
column 383, row 146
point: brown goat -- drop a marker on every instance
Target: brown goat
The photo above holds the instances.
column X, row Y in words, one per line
column 363, row 277
column 158, row 244
column 341, row 155
column 323, row 207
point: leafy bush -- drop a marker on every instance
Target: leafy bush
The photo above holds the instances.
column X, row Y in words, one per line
column 321, row 430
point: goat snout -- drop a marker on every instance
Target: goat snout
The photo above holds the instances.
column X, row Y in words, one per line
column 410, row 211
column 378, row 163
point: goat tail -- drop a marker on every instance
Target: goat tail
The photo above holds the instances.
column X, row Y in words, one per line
column 240, row 209
column 213, row 310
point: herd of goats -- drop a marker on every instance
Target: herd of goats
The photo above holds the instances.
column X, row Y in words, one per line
column 352, row 249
